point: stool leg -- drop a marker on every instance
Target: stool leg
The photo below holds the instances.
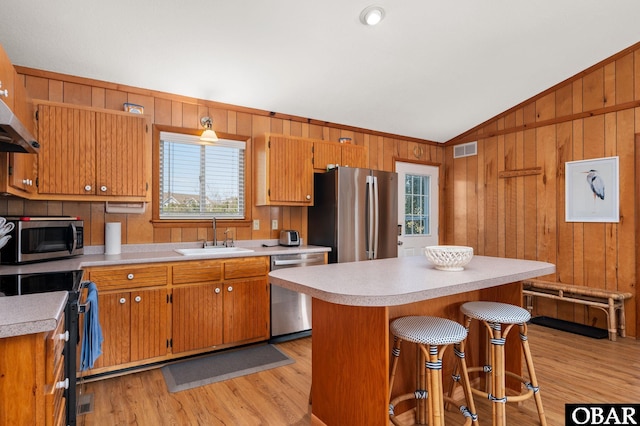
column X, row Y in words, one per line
column 396, row 354
column 532, row 374
column 456, row 367
column 433, row 368
column 423, row 404
column 497, row 376
column 461, row 365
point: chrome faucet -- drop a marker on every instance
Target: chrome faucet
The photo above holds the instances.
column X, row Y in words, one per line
column 215, row 240
column 228, row 238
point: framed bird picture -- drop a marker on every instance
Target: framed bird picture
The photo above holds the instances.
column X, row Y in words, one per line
column 592, row 191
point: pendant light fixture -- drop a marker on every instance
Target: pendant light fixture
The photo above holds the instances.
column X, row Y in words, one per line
column 208, row 135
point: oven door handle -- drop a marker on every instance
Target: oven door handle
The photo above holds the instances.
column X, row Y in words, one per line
column 72, row 242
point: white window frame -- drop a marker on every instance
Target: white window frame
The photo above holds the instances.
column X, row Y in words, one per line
column 202, row 198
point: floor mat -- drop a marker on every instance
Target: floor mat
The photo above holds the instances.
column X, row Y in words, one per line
column 571, row 327
column 216, row 367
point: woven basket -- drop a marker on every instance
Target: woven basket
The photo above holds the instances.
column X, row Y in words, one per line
column 449, row 258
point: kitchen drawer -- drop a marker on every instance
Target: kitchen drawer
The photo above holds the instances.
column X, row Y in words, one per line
column 55, row 347
column 55, row 380
column 127, row 277
column 197, row 272
column 54, row 398
column 246, row 267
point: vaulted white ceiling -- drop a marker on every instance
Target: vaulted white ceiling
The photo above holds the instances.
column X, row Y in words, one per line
column 430, row 69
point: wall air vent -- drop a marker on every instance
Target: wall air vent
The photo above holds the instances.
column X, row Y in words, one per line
column 465, row 150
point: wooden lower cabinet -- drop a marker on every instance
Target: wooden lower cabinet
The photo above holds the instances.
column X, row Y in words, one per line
column 133, row 302
column 134, row 326
column 229, row 311
column 30, row 367
column 197, row 317
column 156, row 312
column 246, row 310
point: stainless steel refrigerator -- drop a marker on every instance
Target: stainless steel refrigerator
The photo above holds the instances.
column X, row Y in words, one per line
column 355, row 212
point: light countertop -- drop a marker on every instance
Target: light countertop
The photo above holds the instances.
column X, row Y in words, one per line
column 403, row 280
column 31, row 313
column 36, row 313
column 153, row 253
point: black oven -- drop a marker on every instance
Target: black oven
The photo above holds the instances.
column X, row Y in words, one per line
column 35, row 239
column 19, row 284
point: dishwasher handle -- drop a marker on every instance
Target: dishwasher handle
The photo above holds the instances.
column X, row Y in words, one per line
column 292, row 262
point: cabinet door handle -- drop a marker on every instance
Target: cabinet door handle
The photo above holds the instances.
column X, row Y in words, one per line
column 87, row 188
column 64, row 336
column 123, row 300
column 217, row 290
column 138, row 299
column 103, row 188
column 4, row 93
column 308, row 197
column 130, row 276
column 64, row 384
column 230, row 288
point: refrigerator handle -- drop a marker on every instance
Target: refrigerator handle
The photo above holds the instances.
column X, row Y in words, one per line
column 376, row 221
column 370, row 216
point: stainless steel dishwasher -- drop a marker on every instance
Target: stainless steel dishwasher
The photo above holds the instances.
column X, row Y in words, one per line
column 290, row 310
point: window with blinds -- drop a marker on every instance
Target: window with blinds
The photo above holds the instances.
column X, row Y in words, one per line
column 416, row 203
column 200, row 180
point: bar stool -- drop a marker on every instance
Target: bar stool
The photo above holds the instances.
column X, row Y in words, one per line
column 432, row 335
column 493, row 315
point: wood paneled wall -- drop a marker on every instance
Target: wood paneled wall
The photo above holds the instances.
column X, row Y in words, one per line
column 179, row 111
column 595, row 114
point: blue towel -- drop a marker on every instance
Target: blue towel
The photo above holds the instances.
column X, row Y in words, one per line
column 92, row 332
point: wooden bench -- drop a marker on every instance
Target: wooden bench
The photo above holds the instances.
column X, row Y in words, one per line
column 611, row 302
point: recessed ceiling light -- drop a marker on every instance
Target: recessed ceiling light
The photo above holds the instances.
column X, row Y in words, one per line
column 372, row 15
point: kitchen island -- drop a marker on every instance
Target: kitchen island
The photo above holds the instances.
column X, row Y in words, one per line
column 353, row 304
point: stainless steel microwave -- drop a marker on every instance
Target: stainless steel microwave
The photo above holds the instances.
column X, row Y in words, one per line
column 35, row 239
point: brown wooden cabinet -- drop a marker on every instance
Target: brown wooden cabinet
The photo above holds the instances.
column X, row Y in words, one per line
column 134, row 325
column 7, row 73
column 346, row 155
column 215, row 304
column 91, row 154
column 18, row 171
column 22, row 174
column 32, row 378
column 283, row 171
column 133, row 316
column 197, row 305
column 284, row 167
column 226, row 301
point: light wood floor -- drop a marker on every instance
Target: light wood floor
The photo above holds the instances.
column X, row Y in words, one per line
column 570, row 368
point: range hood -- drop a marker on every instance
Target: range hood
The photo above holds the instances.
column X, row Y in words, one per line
column 14, row 137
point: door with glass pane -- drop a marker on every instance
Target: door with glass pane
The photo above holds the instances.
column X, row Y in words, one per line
column 417, row 207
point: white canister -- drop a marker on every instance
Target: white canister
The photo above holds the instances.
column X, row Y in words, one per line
column 112, row 238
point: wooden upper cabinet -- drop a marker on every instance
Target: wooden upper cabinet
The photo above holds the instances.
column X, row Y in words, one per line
column 325, row 153
column 354, row 156
column 346, row 155
column 89, row 154
column 120, row 155
column 23, row 106
column 18, row 170
column 23, row 173
column 7, row 73
column 66, row 162
column 283, row 171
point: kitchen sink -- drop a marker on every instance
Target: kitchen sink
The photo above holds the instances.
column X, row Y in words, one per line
column 212, row 251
